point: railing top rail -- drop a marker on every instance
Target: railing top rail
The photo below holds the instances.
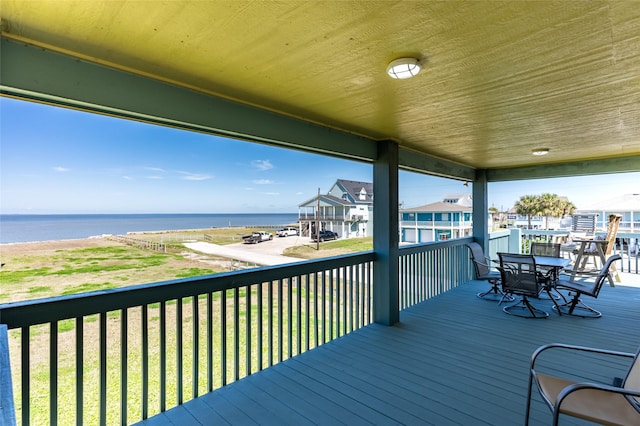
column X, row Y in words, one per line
column 39, row 311
column 433, row 245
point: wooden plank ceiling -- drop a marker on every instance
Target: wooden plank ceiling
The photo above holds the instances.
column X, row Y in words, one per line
column 499, row 80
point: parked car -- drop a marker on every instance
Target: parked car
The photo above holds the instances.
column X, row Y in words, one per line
column 325, row 236
column 257, row 237
column 286, row 232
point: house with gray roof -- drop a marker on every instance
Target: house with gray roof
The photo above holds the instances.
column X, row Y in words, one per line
column 347, row 209
column 627, row 205
column 442, row 220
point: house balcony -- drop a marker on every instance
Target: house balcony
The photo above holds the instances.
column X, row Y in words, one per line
column 436, row 224
column 333, row 217
column 296, row 344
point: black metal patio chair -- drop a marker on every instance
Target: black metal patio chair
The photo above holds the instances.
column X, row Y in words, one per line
column 482, row 267
column 550, row 274
column 520, row 277
column 589, row 285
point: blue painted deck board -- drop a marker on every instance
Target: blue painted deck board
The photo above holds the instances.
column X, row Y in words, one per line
column 452, row 360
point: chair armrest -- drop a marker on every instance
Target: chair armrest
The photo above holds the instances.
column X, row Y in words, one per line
column 544, row 348
column 485, row 263
column 579, row 386
column 571, row 276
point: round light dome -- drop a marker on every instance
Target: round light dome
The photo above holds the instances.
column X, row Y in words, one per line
column 404, row 68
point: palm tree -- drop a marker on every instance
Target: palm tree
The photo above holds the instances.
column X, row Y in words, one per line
column 567, row 207
column 550, row 206
column 528, row 206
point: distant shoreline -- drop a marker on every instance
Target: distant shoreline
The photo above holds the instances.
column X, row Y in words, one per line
column 34, row 228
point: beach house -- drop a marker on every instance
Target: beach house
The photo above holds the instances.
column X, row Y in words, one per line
column 346, row 209
column 442, row 220
column 626, row 205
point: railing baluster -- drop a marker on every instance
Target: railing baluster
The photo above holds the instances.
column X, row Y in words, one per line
column 26, row 374
column 290, row 317
column 124, row 330
column 338, row 290
column 223, row 337
column 299, row 315
column 370, row 292
column 324, row 306
column 260, row 319
column 345, row 299
column 145, row 360
column 280, row 320
column 247, row 348
column 421, row 276
column 79, row 370
column 195, row 315
column 236, row 334
column 307, row 313
column 53, row 373
column 270, row 323
column 179, row 350
column 103, row 368
column 316, row 318
column 356, row 298
column 348, row 300
column 209, row 342
column 162, row 341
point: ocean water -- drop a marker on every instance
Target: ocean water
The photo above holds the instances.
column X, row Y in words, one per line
column 27, row 228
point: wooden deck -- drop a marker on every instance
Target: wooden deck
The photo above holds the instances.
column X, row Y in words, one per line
column 453, row 360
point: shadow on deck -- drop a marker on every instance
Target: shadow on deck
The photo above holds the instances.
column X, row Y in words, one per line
column 452, row 360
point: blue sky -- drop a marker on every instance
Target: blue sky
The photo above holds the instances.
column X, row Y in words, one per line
column 56, row 160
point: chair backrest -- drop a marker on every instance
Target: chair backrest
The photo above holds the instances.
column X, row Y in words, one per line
column 545, row 249
column 632, row 380
column 584, row 223
column 480, row 262
column 602, row 276
column 519, row 274
column 612, row 232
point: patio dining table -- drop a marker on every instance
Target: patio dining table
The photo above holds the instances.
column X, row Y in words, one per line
column 555, row 265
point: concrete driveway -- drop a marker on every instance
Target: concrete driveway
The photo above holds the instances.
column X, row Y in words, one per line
column 265, row 253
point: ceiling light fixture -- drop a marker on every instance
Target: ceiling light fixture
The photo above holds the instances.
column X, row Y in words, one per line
column 540, row 151
column 404, row 68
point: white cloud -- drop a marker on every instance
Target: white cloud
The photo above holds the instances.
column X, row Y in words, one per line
column 127, row 178
column 155, row 169
column 263, row 182
column 262, row 164
column 155, row 177
column 271, row 193
column 195, row 176
column 61, row 169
